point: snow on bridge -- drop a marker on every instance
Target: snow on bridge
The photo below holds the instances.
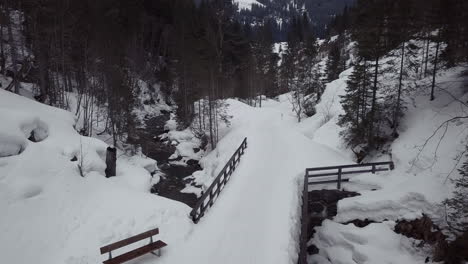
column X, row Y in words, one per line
column 256, row 217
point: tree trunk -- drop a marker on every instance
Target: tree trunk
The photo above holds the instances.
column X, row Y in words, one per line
column 374, row 102
column 200, row 114
column 210, row 99
column 2, row 50
column 427, row 55
column 435, row 70
column 400, row 84
column 111, row 161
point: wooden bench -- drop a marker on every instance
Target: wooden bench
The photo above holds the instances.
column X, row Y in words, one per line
column 150, row 248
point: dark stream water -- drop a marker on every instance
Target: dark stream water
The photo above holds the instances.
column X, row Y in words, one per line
column 173, row 176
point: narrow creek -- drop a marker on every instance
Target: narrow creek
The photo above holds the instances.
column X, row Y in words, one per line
column 173, row 176
column 322, row 204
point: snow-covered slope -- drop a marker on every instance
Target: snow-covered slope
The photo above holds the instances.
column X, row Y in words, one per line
column 246, row 4
column 45, row 198
column 50, row 214
column 255, row 219
column 426, row 155
column 375, row 243
column 323, row 127
column 420, row 181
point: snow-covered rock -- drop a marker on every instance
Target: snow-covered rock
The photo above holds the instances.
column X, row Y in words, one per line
column 375, row 243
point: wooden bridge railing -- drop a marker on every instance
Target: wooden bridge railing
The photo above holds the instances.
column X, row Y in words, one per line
column 322, row 175
column 209, row 196
column 304, row 232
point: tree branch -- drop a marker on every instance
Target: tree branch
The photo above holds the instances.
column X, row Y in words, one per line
column 441, row 126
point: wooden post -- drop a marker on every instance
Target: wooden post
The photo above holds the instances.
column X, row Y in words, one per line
column 373, row 168
column 111, row 161
column 304, row 222
column 194, row 217
column 211, row 198
column 339, row 179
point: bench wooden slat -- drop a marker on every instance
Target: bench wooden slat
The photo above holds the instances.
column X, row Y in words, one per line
column 128, row 241
column 136, row 253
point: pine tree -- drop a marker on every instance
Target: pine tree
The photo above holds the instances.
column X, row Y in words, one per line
column 458, row 204
column 356, row 105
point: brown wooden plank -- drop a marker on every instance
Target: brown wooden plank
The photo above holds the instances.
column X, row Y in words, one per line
column 136, row 253
column 129, row 240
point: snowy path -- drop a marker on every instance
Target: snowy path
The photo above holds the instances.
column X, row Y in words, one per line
column 255, row 218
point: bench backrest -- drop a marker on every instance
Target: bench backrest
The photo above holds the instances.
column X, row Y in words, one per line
column 128, row 241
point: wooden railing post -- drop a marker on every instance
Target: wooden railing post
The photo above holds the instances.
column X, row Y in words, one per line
column 373, row 168
column 339, row 179
column 304, row 222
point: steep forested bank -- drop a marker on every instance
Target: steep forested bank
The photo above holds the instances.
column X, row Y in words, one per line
column 417, row 39
column 107, row 52
column 404, row 100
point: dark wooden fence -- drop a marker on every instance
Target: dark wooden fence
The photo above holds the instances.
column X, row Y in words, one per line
column 322, row 175
column 209, row 196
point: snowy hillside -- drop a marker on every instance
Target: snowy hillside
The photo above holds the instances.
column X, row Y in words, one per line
column 43, row 195
column 426, row 155
column 278, row 132
column 246, row 4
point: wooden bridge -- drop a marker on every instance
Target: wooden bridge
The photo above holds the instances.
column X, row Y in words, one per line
column 330, row 174
column 211, row 194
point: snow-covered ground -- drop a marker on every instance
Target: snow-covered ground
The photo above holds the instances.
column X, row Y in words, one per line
column 322, row 127
column 255, row 219
column 247, row 4
column 50, row 214
column 420, row 180
column 425, row 159
column 375, row 243
column 45, row 198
